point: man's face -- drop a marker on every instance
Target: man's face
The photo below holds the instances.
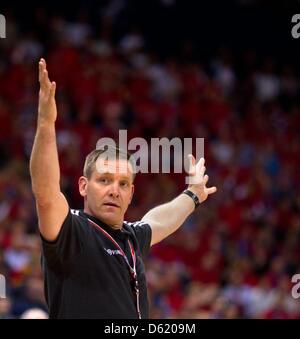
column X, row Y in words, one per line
column 108, row 193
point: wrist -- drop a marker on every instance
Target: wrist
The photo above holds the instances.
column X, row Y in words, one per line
column 45, row 123
column 193, row 196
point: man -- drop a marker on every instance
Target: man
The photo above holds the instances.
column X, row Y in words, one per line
column 93, row 259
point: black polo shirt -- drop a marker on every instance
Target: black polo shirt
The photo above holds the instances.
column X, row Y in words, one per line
column 85, row 275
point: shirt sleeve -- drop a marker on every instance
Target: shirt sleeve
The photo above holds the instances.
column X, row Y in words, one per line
column 143, row 233
column 67, row 245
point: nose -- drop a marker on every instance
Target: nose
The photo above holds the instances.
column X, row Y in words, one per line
column 114, row 190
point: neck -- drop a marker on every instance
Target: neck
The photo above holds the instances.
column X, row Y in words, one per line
column 116, row 227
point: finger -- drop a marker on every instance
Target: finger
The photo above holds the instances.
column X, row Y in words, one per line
column 43, row 80
column 205, row 179
column 200, row 164
column 52, row 90
column 202, row 171
column 192, row 162
column 41, row 69
column 211, row 190
column 45, row 83
column 192, row 159
column 47, row 77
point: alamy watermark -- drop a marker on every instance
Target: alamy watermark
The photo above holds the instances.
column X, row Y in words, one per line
column 2, row 287
column 161, row 156
column 2, row 26
column 296, row 28
column 296, row 287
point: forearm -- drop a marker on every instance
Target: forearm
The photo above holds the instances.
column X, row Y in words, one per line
column 167, row 218
column 44, row 163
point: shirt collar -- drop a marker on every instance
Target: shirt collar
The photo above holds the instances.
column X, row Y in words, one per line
column 120, row 233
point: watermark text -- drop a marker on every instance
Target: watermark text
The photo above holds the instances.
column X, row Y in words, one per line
column 162, row 155
column 2, row 26
column 2, row 287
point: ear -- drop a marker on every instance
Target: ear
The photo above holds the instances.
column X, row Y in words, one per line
column 132, row 191
column 82, row 185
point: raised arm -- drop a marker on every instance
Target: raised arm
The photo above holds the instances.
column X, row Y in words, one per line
column 167, row 218
column 52, row 206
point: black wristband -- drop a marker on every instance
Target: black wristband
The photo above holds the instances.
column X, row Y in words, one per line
column 193, row 196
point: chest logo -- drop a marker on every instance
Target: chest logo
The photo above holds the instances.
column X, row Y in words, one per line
column 112, row 252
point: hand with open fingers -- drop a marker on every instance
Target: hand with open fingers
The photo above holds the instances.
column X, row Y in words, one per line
column 197, row 180
column 47, row 106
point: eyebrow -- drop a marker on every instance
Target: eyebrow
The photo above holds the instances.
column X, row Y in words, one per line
column 122, row 177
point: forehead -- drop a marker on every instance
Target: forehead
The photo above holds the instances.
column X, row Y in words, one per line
column 120, row 167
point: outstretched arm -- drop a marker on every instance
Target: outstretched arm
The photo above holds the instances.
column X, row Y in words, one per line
column 52, row 206
column 167, row 218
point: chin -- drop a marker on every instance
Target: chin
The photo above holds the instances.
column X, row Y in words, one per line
column 109, row 218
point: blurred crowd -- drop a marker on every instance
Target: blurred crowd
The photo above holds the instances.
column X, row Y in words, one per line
column 235, row 256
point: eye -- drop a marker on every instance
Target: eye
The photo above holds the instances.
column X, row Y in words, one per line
column 124, row 184
column 103, row 180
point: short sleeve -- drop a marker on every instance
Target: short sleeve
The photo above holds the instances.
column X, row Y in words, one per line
column 143, row 233
column 68, row 244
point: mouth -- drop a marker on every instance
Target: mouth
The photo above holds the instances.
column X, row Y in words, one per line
column 111, row 204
